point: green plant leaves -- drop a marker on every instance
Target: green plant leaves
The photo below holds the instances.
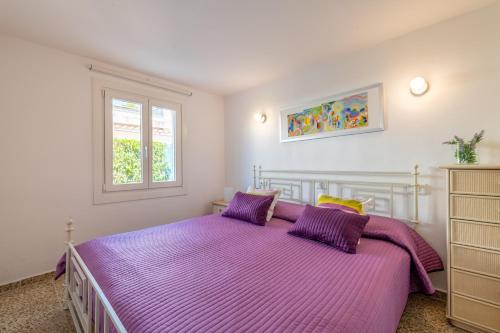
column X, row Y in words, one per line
column 127, row 162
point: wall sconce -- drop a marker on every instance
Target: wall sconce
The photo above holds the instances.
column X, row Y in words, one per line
column 260, row 117
column 418, row 86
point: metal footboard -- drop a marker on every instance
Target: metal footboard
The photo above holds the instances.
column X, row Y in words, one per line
column 89, row 307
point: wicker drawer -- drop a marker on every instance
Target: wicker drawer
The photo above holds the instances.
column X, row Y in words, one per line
column 477, row 286
column 485, row 209
column 485, row 182
column 476, row 260
column 476, row 234
column 475, row 312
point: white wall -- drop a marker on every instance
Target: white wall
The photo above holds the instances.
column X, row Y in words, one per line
column 46, row 160
column 461, row 60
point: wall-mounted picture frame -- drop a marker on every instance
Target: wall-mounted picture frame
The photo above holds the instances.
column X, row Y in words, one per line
column 353, row 112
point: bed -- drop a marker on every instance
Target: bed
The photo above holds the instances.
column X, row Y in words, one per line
column 218, row 274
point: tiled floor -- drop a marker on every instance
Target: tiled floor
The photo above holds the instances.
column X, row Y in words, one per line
column 37, row 307
column 34, row 307
column 426, row 314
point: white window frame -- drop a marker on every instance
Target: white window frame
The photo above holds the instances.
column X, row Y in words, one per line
column 105, row 191
column 177, row 142
column 109, row 95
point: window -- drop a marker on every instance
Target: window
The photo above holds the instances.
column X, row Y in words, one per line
column 138, row 148
column 142, row 145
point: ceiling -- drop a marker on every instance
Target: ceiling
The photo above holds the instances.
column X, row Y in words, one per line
column 223, row 46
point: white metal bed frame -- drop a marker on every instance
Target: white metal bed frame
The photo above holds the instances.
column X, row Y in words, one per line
column 84, row 297
column 379, row 197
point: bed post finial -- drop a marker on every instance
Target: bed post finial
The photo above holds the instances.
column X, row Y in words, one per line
column 69, row 230
column 416, row 188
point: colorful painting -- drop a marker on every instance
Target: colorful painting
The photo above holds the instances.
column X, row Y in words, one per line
column 346, row 113
column 352, row 112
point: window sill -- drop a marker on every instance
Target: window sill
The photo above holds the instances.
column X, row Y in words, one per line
column 101, row 197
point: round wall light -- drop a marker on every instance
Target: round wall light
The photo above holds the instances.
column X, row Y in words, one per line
column 260, row 117
column 418, row 86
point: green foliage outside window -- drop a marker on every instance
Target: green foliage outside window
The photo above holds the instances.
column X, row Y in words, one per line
column 127, row 159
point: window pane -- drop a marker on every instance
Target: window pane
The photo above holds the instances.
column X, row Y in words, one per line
column 163, row 157
column 127, row 142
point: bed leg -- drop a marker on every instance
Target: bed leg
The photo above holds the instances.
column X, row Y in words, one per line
column 69, row 240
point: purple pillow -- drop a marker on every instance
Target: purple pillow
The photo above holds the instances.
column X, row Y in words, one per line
column 249, row 207
column 288, row 211
column 331, row 226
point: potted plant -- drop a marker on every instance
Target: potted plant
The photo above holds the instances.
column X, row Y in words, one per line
column 465, row 151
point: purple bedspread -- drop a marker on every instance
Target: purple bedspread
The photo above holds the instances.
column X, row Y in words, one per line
column 217, row 274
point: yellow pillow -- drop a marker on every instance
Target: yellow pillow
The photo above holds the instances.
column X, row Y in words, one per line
column 351, row 203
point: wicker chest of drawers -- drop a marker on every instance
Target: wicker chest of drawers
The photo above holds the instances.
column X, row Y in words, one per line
column 473, row 236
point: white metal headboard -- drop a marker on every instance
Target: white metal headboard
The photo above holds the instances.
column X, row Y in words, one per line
column 393, row 194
